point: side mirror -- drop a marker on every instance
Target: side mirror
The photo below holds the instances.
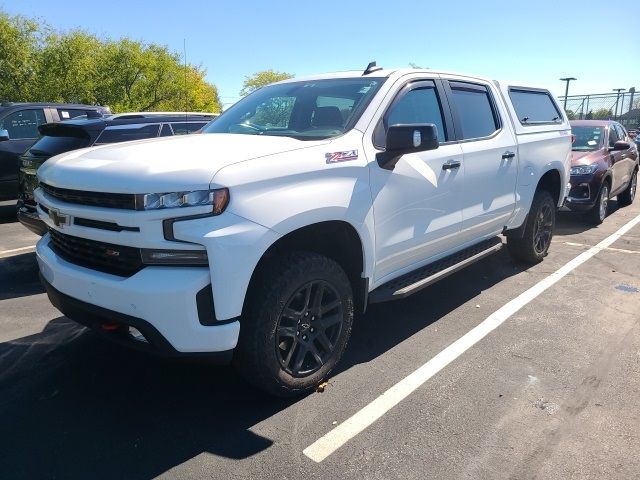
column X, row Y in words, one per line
column 4, row 135
column 409, row 138
column 620, row 145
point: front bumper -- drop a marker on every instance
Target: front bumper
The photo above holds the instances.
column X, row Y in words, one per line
column 28, row 217
column 584, row 192
column 158, row 301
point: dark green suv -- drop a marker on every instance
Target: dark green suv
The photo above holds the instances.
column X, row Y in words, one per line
column 19, row 124
column 57, row 138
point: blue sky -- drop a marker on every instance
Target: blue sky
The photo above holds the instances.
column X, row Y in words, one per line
column 537, row 41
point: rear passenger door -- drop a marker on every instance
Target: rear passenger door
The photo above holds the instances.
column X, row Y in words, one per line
column 489, row 158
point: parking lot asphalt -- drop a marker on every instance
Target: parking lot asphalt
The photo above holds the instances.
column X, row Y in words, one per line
column 553, row 392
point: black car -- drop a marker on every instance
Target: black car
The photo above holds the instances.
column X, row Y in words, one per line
column 19, row 124
column 70, row 135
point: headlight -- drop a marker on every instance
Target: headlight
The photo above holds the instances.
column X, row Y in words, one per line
column 584, row 169
column 218, row 198
column 174, row 257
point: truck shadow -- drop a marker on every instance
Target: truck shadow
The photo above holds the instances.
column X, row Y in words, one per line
column 8, row 212
column 19, row 276
column 84, row 407
column 570, row 223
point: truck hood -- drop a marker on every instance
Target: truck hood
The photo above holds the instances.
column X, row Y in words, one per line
column 160, row 165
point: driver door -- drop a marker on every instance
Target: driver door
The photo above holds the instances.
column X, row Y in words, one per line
column 417, row 205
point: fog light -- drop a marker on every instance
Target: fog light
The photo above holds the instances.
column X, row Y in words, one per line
column 174, row 257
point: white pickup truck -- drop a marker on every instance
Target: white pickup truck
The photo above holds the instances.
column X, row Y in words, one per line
column 259, row 239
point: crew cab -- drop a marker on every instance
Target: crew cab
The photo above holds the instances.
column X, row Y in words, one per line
column 259, row 240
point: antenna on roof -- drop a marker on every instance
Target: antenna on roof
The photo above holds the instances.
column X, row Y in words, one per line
column 184, row 46
column 371, row 68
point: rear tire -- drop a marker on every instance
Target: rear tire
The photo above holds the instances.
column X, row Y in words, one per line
column 626, row 198
column 297, row 324
column 598, row 213
column 534, row 244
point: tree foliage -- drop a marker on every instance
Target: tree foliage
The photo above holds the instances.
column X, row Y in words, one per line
column 40, row 64
column 602, row 114
column 260, row 79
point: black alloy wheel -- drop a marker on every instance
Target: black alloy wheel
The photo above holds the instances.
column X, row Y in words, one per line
column 309, row 328
column 543, row 229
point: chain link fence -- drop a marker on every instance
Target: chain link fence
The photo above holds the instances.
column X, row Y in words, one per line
column 623, row 107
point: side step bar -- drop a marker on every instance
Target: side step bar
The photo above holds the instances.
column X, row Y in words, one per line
column 416, row 280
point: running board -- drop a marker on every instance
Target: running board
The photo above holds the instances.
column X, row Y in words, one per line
column 416, row 280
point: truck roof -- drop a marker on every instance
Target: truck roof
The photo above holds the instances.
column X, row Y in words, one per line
column 397, row 72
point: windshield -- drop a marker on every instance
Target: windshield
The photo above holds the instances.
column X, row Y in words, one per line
column 588, row 139
column 310, row 110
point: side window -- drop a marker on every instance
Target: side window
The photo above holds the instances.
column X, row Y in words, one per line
column 165, row 131
column 534, row 106
column 23, row 124
column 69, row 113
column 184, row 128
column 622, row 134
column 125, row 133
column 420, row 105
column 476, row 112
column 613, row 135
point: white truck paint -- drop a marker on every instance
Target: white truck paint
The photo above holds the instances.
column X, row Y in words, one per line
column 405, row 217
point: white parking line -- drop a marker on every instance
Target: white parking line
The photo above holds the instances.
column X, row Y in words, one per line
column 15, row 251
column 334, row 439
column 611, row 249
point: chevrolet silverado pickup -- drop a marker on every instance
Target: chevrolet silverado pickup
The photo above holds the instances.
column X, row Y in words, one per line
column 258, row 241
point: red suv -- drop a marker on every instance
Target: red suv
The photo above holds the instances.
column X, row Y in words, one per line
column 604, row 165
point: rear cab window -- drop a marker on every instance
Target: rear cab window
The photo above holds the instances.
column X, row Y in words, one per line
column 534, row 107
column 126, row 133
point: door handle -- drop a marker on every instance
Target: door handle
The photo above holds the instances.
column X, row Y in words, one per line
column 451, row 165
column 508, row 155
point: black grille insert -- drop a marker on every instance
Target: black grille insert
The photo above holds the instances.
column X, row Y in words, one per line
column 105, row 257
column 124, row 201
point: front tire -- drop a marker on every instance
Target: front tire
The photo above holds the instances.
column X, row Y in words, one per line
column 626, row 198
column 599, row 211
column 297, row 324
column 534, row 244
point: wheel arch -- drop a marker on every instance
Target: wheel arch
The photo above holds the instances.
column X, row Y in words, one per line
column 551, row 181
column 336, row 239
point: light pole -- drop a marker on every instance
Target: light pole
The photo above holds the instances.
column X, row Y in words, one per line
column 617, row 90
column 632, row 91
column 566, row 90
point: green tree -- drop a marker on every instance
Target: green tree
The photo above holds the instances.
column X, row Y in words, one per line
column 602, row 114
column 260, row 79
column 20, row 40
column 67, row 68
column 571, row 114
column 38, row 63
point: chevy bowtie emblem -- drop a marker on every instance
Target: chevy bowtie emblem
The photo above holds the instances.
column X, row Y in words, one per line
column 59, row 219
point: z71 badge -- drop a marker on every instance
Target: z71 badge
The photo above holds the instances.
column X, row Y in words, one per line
column 336, row 157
